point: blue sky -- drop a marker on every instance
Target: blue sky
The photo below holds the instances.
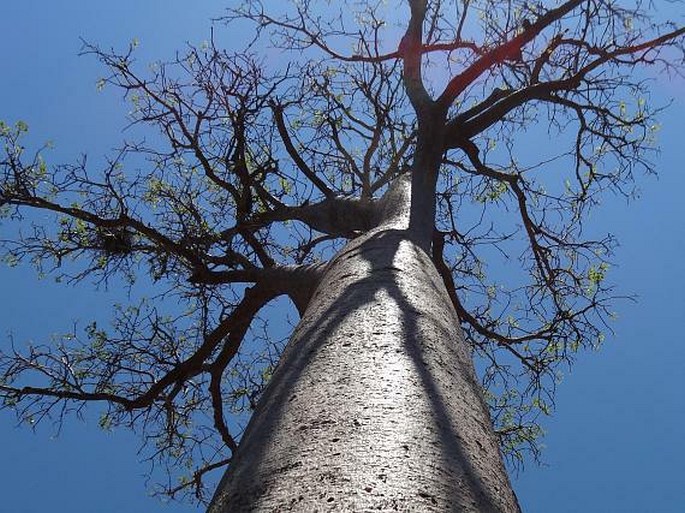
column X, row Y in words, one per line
column 615, row 442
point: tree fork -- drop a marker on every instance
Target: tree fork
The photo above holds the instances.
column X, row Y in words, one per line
column 375, row 403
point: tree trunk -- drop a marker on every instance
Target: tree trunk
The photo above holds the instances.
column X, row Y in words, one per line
column 375, row 404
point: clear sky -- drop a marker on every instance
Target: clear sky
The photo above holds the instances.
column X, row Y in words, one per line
column 615, row 442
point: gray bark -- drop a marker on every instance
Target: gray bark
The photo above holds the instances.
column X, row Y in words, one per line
column 375, row 404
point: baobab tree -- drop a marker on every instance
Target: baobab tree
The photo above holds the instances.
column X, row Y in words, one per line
column 368, row 166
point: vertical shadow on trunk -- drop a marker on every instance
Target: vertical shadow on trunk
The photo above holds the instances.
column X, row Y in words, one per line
column 424, row 351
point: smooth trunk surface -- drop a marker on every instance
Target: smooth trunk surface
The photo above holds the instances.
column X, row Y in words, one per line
column 375, row 404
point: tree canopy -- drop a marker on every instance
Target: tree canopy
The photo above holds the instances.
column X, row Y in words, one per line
column 256, row 165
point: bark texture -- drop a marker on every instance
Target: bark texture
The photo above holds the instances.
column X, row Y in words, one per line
column 375, row 404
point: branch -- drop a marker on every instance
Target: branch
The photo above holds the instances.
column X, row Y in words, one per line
column 411, row 51
column 196, row 481
column 532, row 229
column 255, row 298
column 298, row 282
column 122, row 221
column 499, row 54
column 314, row 38
column 464, row 315
column 493, row 109
column 295, row 155
column 232, row 326
column 342, row 217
